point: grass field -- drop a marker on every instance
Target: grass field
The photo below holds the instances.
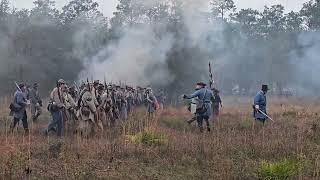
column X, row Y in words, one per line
column 169, row 148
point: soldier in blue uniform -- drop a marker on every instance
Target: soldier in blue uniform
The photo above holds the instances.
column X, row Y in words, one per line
column 260, row 104
column 204, row 108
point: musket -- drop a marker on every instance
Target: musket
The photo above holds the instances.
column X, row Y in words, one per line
column 75, row 85
column 17, row 86
column 210, row 76
column 89, row 88
column 265, row 115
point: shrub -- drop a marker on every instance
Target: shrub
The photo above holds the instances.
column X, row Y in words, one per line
column 149, row 137
column 280, row 170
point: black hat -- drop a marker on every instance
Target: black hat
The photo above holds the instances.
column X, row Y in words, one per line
column 264, row 87
column 201, row 83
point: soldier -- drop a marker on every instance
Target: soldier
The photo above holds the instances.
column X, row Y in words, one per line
column 69, row 113
column 73, row 91
column 18, row 108
column 162, row 98
column 151, row 103
column 36, row 102
column 123, row 104
column 204, row 109
column 130, row 99
column 217, row 103
column 87, row 112
column 56, row 107
column 260, row 104
column 101, row 114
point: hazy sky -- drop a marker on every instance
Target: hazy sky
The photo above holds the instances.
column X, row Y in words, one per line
column 108, row 6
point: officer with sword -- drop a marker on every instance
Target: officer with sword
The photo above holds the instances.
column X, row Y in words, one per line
column 260, row 105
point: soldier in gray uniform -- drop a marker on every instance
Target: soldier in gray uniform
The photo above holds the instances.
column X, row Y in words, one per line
column 36, row 102
column 18, row 108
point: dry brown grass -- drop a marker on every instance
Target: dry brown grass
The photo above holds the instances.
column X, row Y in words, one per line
column 233, row 150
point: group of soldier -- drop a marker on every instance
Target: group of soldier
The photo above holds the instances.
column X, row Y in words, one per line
column 90, row 108
column 207, row 103
column 93, row 107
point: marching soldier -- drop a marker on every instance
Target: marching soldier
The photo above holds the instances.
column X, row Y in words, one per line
column 36, row 102
column 151, row 103
column 87, row 112
column 18, row 108
column 204, row 109
column 101, row 114
column 217, row 103
column 56, row 107
column 70, row 114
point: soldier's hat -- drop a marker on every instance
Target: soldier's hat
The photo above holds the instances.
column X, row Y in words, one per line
column 100, row 87
column 21, row 85
column 201, row 83
column 264, row 87
column 35, row 85
column 61, row 81
column 96, row 82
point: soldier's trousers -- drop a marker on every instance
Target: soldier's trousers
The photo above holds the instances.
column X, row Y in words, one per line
column 200, row 121
column 56, row 122
column 24, row 121
column 35, row 111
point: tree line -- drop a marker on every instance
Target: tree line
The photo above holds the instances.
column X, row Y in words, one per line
column 247, row 46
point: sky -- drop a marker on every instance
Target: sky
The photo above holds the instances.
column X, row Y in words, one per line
column 108, row 6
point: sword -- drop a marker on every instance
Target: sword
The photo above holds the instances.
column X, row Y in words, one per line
column 265, row 115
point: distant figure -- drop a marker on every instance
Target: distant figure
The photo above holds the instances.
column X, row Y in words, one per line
column 18, row 108
column 260, row 104
column 151, row 102
column 217, row 103
column 204, row 107
column 36, row 102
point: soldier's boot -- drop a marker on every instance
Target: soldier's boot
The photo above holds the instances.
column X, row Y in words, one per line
column 208, row 128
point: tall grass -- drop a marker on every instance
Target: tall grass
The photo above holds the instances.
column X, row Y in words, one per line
column 168, row 148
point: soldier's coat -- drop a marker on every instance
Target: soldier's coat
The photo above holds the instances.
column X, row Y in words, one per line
column 19, row 102
column 205, row 95
column 87, row 123
column 261, row 100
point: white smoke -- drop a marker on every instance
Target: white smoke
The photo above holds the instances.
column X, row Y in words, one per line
column 138, row 58
column 306, row 61
column 140, row 55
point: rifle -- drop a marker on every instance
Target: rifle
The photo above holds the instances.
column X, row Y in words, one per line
column 17, row 86
column 89, row 88
column 211, row 81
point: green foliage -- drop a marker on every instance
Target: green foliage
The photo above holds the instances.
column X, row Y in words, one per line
column 279, row 170
column 149, row 137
